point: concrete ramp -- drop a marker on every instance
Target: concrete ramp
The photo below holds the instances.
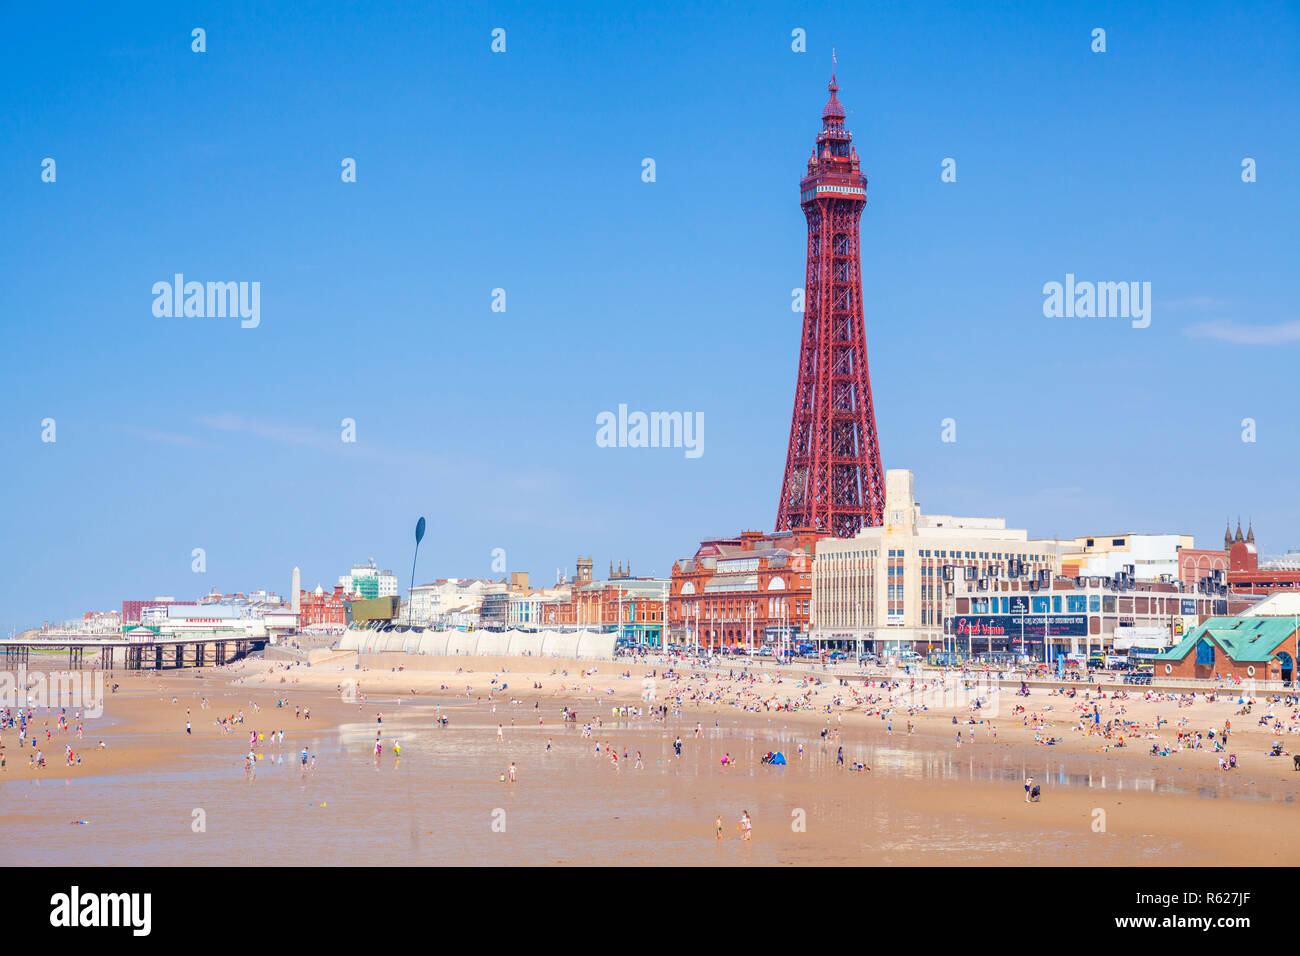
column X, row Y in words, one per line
column 459, row 642
column 524, row 644
column 596, row 645
column 492, row 643
column 434, row 643
column 557, row 644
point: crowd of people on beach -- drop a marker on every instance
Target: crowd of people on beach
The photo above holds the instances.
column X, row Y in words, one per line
column 23, row 720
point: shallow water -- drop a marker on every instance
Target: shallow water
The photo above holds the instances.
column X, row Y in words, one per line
column 443, row 802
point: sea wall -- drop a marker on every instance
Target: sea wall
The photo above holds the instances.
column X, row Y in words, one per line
column 576, row 645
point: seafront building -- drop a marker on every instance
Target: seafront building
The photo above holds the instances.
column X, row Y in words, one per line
column 633, row 608
column 449, row 602
column 1150, row 557
column 883, row 589
column 744, row 592
column 1084, row 616
column 514, row 605
column 367, row 581
column 322, row 610
column 132, row 608
column 1261, row 643
column 216, row 620
column 1174, row 557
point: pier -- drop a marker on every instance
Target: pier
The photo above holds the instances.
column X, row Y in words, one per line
column 158, row 654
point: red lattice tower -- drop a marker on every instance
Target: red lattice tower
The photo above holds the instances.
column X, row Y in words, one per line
column 833, row 478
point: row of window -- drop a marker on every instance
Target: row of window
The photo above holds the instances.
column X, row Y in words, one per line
column 980, row 555
column 1073, row 604
column 931, row 553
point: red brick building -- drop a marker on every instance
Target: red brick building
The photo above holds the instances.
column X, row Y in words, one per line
column 322, row 607
column 131, row 609
column 1197, row 563
column 1244, row 648
column 634, row 605
column 753, row 589
column 1240, row 565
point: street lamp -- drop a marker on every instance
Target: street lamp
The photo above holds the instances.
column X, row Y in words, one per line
column 858, row 632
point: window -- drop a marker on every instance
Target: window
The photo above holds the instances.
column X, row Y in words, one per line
column 1117, row 542
column 1076, row 604
column 1040, row 605
column 1094, row 603
column 1204, row 654
column 1056, row 604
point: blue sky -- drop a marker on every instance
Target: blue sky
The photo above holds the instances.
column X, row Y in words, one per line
column 522, row 171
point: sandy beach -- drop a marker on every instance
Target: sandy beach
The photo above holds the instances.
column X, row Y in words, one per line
column 925, row 800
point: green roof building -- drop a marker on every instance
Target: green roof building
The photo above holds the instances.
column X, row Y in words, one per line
column 1259, row 648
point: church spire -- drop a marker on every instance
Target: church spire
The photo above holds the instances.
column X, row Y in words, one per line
column 1239, row 536
column 1250, row 533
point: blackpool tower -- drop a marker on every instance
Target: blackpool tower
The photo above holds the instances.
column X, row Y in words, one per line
column 833, row 478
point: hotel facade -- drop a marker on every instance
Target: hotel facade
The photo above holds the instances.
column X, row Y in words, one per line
column 884, row 589
column 1118, row 616
column 744, row 592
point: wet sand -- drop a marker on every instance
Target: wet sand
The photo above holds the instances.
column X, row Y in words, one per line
column 157, row 795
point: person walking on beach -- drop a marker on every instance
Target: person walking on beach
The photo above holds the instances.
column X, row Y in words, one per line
column 746, row 826
column 839, row 757
column 718, row 827
column 1029, row 785
column 512, row 771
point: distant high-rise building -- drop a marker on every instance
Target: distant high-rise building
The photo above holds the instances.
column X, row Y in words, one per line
column 368, row 581
column 297, row 587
